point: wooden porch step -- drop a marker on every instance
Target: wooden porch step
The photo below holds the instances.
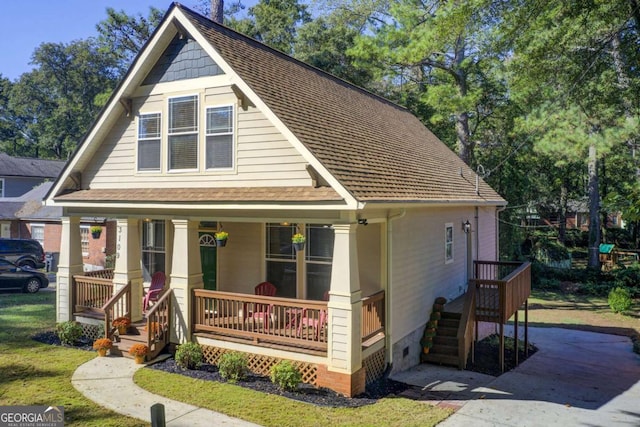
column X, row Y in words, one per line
column 135, row 335
column 445, row 349
column 445, row 340
column 448, row 323
column 447, row 331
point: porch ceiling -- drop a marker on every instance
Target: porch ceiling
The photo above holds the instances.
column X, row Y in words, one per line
column 203, row 195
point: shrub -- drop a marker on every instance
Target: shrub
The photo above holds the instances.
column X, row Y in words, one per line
column 189, row 355
column 285, row 375
column 619, row 300
column 69, row 332
column 233, row 366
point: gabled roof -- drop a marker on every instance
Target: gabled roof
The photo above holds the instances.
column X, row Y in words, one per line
column 29, row 167
column 376, row 149
column 29, row 205
column 367, row 148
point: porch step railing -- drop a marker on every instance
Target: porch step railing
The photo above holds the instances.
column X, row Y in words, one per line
column 119, row 305
column 158, row 328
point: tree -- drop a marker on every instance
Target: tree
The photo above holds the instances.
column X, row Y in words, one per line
column 564, row 74
column 124, row 35
column 442, row 51
column 55, row 103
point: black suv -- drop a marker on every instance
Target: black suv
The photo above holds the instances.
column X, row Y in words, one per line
column 22, row 252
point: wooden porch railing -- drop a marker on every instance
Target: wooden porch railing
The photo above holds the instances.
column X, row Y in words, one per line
column 285, row 321
column 92, row 290
column 501, row 288
column 372, row 315
column 273, row 320
column 119, row 305
column 159, row 324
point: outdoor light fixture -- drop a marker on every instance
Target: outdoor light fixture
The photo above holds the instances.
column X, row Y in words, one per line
column 363, row 221
column 466, row 226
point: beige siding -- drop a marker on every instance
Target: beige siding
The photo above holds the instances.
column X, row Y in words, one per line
column 419, row 273
column 264, row 157
column 240, row 262
column 369, row 258
column 487, row 244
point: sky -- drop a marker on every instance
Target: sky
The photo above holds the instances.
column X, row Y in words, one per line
column 25, row 24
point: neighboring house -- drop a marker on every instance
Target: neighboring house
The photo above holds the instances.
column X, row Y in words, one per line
column 577, row 216
column 18, row 176
column 211, row 130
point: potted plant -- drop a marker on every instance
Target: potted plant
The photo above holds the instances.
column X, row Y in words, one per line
column 221, row 238
column 435, row 315
column 96, row 231
column 122, row 323
column 139, row 351
column 102, row 345
column 298, row 241
column 427, row 343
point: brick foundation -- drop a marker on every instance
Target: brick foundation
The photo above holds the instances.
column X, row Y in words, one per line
column 349, row 385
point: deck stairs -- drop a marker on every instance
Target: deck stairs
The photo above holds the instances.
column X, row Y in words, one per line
column 445, row 343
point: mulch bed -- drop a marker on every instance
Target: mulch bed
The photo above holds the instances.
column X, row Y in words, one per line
column 486, row 361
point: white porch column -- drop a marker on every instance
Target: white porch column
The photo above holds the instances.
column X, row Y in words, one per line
column 128, row 267
column 345, row 308
column 70, row 263
column 186, row 275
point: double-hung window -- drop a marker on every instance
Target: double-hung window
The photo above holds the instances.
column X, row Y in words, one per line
column 448, row 243
column 183, row 133
column 153, row 248
column 219, row 149
column 149, row 142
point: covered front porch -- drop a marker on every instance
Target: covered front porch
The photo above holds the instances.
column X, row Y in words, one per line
column 335, row 332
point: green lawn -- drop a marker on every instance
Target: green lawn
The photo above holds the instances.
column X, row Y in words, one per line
column 38, row 374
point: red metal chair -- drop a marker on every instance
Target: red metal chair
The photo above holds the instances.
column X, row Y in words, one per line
column 259, row 311
column 311, row 320
column 156, row 287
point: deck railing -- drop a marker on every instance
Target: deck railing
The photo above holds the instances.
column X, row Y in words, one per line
column 92, row 290
column 276, row 321
column 372, row 315
column 466, row 328
column 119, row 305
column 501, row 288
column 159, row 324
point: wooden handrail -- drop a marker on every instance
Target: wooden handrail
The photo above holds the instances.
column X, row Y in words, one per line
column 119, row 305
column 159, row 324
column 466, row 327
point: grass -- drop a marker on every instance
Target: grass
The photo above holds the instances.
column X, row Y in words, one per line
column 269, row 410
column 32, row 373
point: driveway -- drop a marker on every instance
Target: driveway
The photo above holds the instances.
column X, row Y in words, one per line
column 575, row 379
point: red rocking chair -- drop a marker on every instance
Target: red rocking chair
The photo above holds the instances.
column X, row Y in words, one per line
column 156, row 287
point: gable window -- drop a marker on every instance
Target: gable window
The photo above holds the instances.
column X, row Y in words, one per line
column 219, row 149
column 153, row 248
column 149, row 142
column 448, row 243
column 183, row 133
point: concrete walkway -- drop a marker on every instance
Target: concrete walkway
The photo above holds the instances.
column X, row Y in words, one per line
column 575, row 379
column 108, row 381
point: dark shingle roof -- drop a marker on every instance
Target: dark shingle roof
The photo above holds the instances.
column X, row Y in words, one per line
column 376, row 149
column 28, row 167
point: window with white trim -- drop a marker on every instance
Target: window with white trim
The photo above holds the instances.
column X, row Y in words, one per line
column 219, row 137
column 448, row 243
column 153, row 248
column 84, row 240
column 183, row 133
column 149, row 126
column 37, row 233
column 283, row 263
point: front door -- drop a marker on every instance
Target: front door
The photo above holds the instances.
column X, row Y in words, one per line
column 208, row 259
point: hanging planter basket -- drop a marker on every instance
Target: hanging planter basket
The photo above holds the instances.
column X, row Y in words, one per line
column 96, row 231
column 298, row 246
column 221, row 238
column 298, row 241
